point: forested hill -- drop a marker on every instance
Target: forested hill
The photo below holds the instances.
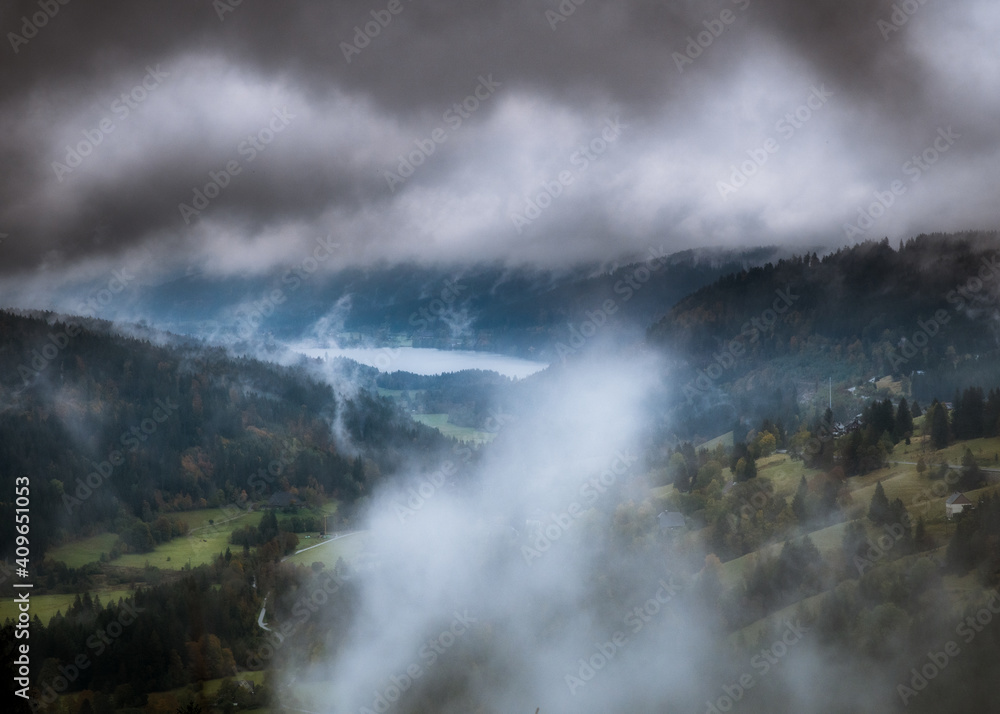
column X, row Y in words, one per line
column 929, row 306
column 493, row 307
column 109, row 427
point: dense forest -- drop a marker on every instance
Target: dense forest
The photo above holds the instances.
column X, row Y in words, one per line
column 196, row 627
column 755, row 341
column 116, row 431
column 499, row 308
column 863, row 303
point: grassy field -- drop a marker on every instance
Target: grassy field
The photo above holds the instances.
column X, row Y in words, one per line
column 726, row 440
column 201, row 545
column 176, row 698
column 895, row 388
column 921, row 496
column 962, row 590
column 80, row 552
column 45, row 606
column 750, row 636
column 986, row 451
column 210, row 530
column 462, row 433
column 349, row 548
column 399, row 393
column 827, row 540
column 784, row 472
column 197, row 549
column 207, row 517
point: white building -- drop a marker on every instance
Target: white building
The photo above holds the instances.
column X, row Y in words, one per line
column 956, row 503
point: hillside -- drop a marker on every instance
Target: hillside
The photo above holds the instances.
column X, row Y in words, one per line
column 153, row 461
column 494, row 307
column 112, row 429
column 923, row 313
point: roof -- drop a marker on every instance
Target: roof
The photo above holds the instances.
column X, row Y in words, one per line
column 282, row 499
column 958, row 499
column 671, row 519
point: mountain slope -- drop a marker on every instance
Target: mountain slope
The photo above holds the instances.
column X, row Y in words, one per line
column 107, row 426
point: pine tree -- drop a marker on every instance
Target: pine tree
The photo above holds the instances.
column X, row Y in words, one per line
column 967, row 416
column 940, row 429
column 920, row 536
column 878, row 509
column 972, row 476
column 904, row 421
column 268, row 527
column 991, row 414
column 799, row 507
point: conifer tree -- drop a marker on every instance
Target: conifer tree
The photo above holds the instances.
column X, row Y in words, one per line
column 878, row 510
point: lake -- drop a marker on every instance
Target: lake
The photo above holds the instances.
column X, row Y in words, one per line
column 427, row 361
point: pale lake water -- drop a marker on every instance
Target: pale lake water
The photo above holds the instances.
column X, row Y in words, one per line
column 427, row 361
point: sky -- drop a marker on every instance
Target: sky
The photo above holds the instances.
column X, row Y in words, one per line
column 239, row 137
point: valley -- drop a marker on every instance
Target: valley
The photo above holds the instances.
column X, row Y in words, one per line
column 801, row 489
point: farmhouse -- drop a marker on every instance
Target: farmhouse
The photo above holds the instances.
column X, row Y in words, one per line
column 282, row 499
column 670, row 521
column 956, row 503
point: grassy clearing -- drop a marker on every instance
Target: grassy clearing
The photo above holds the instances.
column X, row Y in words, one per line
column 462, row 433
column 200, row 546
column 349, row 548
column 80, row 552
column 750, row 636
column 197, row 549
column 209, row 535
column 400, row 393
column 986, row 451
column 922, row 496
column 894, row 388
column 661, row 492
column 899, row 481
column 46, row 606
column 208, row 517
column 726, row 440
column 827, row 540
column 173, row 700
column 784, row 473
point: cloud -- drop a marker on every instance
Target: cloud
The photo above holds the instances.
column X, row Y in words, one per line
column 695, row 85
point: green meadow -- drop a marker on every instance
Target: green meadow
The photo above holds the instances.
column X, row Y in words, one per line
column 462, row 433
column 208, row 536
column 45, row 606
column 350, row 548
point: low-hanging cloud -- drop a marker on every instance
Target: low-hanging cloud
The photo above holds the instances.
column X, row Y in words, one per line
column 161, row 100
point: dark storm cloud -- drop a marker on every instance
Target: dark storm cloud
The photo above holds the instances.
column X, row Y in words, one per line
column 559, row 70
